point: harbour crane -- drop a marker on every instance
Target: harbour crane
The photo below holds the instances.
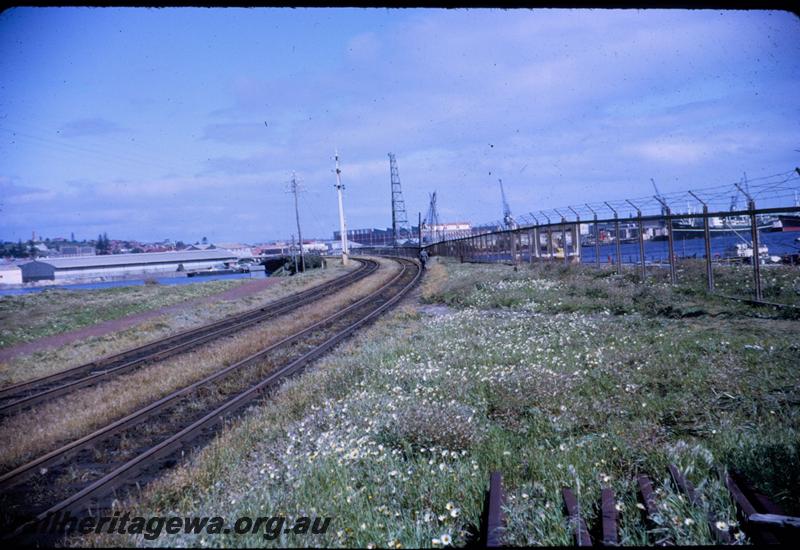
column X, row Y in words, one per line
column 432, row 218
column 508, row 219
column 660, row 197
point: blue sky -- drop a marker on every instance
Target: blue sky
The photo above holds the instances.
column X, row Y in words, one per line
column 183, row 123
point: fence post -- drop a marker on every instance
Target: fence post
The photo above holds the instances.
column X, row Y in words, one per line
column 670, row 239
column 671, row 245
column 549, row 236
column 530, row 245
column 640, row 228
column 596, row 242
column 707, row 244
column 751, row 206
column 550, row 242
column 512, row 245
column 596, row 237
column 616, row 239
column 576, row 238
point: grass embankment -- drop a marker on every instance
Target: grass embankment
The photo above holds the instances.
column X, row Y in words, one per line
column 33, row 432
column 27, row 317
column 551, row 383
column 48, row 361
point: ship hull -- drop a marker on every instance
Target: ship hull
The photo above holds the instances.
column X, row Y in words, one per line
column 698, row 232
column 789, row 223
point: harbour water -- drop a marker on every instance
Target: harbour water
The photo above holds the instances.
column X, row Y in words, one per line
column 778, row 244
column 183, row 280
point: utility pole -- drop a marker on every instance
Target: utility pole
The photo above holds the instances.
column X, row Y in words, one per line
column 342, row 226
column 297, row 217
column 294, row 255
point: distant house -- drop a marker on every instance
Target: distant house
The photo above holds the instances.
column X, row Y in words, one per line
column 200, row 247
column 77, row 250
column 10, row 274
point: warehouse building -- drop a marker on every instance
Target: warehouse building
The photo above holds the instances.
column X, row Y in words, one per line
column 123, row 265
column 10, row 274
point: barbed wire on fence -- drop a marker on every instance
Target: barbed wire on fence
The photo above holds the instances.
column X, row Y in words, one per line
column 775, row 190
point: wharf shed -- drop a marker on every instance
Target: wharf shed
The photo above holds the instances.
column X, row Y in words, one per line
column 10, row 274
column 123, row 265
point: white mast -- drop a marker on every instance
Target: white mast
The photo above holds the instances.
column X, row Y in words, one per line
column 342, row 226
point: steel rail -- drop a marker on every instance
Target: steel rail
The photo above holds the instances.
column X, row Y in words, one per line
column 47, row 460
column 186, row 435
column 180, row 439
column 26, row 394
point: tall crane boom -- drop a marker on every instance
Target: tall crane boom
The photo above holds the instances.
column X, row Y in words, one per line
column 400, row 227
column 658, row 193
column 432, row 218
column 660, row 197
column 508, row 219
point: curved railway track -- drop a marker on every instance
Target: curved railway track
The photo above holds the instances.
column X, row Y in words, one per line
column 86, row 475
column 26, row 394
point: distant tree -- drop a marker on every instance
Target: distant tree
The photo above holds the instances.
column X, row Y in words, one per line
column 205, row 240
column 19, row 250
column 102, row 244
column 32, row 250
column 180, row 245
column 137, row 250
column 72, row 236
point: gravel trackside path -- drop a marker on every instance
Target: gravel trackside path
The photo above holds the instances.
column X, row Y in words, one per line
column 114, row 325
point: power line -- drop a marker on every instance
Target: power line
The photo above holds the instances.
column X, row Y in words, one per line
column 98, row 154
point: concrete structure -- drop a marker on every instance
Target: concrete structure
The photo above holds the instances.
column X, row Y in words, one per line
column 240, row 250
column 10, row 274
column 123, row 265
column 336, row 246
column 372, row 236
column 315, row 247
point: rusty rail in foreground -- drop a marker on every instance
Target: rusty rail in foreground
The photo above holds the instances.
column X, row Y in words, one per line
column 761, row 519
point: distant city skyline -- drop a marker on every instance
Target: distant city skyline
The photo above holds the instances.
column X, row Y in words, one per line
column 155, row 123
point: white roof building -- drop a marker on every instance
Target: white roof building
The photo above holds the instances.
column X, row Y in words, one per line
column 241, row 250
column 120, row 265
column 10, row 274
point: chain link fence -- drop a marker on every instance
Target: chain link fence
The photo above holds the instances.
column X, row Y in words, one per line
column 736, row 250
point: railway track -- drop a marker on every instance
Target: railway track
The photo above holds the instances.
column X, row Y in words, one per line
column 26, row 394
column 764, row 522
column 86, row 475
